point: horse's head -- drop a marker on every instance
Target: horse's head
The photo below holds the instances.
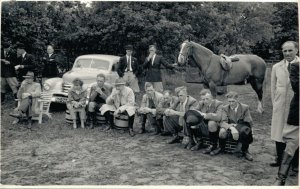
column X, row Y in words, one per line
column 185, row 50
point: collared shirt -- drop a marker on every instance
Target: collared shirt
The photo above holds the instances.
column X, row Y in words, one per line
column 153, row 58
column 23, row 55
column 182, row 105
column 50, row 55
column 129, row 63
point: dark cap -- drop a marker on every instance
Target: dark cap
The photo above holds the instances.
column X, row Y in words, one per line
column 129, row 47
column 20, row 46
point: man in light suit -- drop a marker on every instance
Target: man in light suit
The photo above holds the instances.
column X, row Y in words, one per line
column 153, row 63
column 281, row 94
column 128, row 68
column 174, row 116
column 148, row 107
column 120, row 101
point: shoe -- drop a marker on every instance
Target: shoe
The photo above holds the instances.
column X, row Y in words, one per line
column 16, row 115
column 175, row 139
column 190, row 144
column 208, row 149
column 131, row 133
column 275, row 164
column 107, row 128
column 164, row 133
column 216, row 151
column 157, row 132
column 248, row 156
column 197, row 147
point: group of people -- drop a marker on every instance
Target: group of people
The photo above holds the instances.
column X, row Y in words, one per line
column 16, row 64
column 178, row 114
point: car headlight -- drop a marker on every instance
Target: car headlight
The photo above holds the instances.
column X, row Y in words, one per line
column 46, row 86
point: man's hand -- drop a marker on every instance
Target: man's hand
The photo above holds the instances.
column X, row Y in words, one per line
column 235, row 133
column 150, row 56
column 17, row 67
column 25, row 95
column 98, row 90
column 117, row 112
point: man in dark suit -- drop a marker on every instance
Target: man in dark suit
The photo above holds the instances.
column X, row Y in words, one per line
column 129, row 69
column 25, row 62
column 50, row 64
column 8, row 73
column 153, row 63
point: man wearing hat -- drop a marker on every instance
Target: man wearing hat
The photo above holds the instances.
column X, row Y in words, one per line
column 120, row 101
column 28, row 95
column 174, row 119
column 204, row 121
column 25, row 62
column 128, row 68
column 237, row 121
column 8, row 73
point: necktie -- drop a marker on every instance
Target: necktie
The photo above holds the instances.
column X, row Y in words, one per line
column 152, row 60
column 289, row 66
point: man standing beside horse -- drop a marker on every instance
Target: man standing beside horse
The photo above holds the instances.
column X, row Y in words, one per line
column 281, row 94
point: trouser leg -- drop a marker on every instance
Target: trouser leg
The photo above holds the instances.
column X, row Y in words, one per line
column 110, row 118
column 280, row 146
column 284, row 169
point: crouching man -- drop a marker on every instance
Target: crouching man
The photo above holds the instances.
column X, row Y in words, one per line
column 148, row 109
column 120, row 101
column 204, row 121
column 28, row 95
column 237, row 121
column 99, row 93
column 174, row 116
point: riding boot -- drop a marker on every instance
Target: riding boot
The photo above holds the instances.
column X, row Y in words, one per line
column 110, row 120
column 92, row 118
column 283, row 169
column 16, row 97
column 143, row 119
column 213, row 137
column 130, row 125
column 2, row 97
column 280, row 147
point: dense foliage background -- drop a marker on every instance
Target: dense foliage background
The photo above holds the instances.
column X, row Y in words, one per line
column 77, row 28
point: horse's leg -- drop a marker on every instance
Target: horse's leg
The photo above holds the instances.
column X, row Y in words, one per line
column 257, row 85
column 213, row 88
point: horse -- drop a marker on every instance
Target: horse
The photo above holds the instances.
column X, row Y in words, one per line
column 247, row 68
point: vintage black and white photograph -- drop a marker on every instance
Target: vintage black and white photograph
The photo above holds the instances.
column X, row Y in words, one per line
column 149, row 93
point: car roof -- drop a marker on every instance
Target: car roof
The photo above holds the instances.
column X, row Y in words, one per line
column 100, row 56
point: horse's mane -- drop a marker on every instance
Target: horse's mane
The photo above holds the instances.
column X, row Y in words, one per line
column 202, row 47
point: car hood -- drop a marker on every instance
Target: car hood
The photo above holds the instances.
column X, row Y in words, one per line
column 86, row 75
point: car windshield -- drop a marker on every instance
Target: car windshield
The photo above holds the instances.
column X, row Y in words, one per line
column 92, row 63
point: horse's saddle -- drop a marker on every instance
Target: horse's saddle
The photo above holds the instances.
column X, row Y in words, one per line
column 226, row 61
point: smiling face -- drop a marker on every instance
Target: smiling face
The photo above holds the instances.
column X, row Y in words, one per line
column 289, row 51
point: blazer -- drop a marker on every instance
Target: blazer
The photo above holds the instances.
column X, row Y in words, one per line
column 190, row 104
column 96, row 97
column 123, row 65
column 242, row 116
column 293, row 117
column 50, row 64
column 213, row 112
column 153, row 73
column 8, row 70
column 29, row 65
column 163, row 105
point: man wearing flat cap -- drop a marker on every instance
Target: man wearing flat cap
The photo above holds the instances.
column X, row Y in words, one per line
column 28, row 95
column 237, row 122
column 128, row 68
column 120, row 101
column 174, row 116
column 25, row 62
column 204, row 121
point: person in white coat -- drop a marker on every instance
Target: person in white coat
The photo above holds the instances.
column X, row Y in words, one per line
column 281, row 94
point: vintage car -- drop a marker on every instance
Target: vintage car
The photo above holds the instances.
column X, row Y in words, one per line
column 86, row 67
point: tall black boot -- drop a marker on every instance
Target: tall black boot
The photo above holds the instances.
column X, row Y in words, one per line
column 283, row 169
column 280, row 147
column 130, row 125
column 246, row 153
column 143, row 119
column 92, row 119
column 110, row 119
column 213, row 137
column 2, row 97
column 16, row 97
column 295, row 161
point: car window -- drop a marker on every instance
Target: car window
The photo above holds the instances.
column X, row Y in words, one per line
column 92, row 63
column 100, row 64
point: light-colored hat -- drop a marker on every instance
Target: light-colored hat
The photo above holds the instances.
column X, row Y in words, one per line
column 29, row 75
column 182, row 88
column 120, row 81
